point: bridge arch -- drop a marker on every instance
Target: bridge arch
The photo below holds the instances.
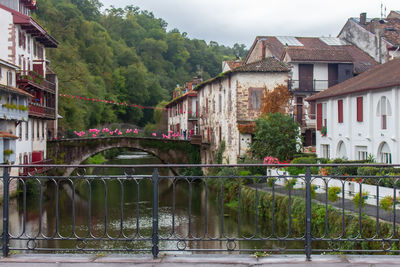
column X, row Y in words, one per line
column 75, row 151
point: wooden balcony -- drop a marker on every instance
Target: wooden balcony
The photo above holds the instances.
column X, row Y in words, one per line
column 31, row 79
column 39, row 111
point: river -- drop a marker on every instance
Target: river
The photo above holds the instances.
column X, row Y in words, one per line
column 105, row 216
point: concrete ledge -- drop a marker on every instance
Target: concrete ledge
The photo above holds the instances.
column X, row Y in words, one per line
column 196, row 260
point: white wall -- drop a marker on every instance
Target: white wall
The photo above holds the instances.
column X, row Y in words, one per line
column 6, row 20
column 368, row 133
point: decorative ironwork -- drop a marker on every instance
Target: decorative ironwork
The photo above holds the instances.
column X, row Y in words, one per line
column 232, row 208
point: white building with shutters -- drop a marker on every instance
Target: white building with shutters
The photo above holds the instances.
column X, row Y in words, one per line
column 359, row 117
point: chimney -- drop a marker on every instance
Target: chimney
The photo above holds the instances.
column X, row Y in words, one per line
column 363, row 18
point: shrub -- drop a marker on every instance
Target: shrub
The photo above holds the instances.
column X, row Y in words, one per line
column 367, row 171
column 304, row 160
column 333, row 193
column 290, row 183
column 386, row 203
column 356, row 199
column 313, row 193
column 271, row 181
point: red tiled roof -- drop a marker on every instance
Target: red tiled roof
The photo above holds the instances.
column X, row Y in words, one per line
column 268, row 64
column 380, row 76
column 313, row 54
column 390, row 29
column 314, row 49
column 180, row 98
column 14, row 90
column 7, row 135
column 234, row 63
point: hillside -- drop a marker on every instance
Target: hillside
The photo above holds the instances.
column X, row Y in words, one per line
column 124, row 55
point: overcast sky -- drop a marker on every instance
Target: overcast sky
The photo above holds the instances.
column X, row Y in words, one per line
column 240, row 21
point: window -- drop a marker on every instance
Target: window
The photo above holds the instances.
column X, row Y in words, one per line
column 255, row 98
column 361, row 152
column 340, row 111
column 20, row 131
column 26, row 131
column 1, row 73
column 43, row 131
column 384, row 154
column 360, row 109
column 383, row 110
column 9, row 78
column 220, row 103
column 37, row 129
column 325, row 151
column 324, row 115
column 33, row 129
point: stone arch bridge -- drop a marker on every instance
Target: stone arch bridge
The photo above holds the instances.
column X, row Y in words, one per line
column 75, row 151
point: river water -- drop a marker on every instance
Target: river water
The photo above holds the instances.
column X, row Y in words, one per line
column 124, row 209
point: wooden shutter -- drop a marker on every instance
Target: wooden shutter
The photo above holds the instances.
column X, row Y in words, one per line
column 360, row 109
column 340, row 111
column 319, row 116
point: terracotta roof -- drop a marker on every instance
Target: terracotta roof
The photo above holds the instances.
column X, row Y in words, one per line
column 380, row 76
column 7, row 135
column 313, row 54
column 390, row 28
column 14, row 90
column 269, row 64
column 179, row 98
column 234, row 63
column 314, row 49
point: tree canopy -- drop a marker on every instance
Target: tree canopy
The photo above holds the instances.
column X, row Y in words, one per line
column 121, row 54
column 276, row 135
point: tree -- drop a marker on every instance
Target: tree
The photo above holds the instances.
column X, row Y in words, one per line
column 276, row 100
column 276, row 135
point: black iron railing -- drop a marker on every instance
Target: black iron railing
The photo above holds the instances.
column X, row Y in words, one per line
column 229, row 208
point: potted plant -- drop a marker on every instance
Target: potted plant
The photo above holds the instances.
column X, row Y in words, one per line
column 324, row 131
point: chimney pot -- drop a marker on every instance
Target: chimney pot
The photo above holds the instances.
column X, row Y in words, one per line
column 363, row 18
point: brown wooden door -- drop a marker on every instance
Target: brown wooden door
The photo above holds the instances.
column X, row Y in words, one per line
column 332, row 74
column 306, row 77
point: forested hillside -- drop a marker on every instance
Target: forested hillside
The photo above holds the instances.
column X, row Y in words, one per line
column 121, row 55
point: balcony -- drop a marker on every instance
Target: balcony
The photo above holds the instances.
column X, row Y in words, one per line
column 37, row 110
column 34, row 80
column 310, row 86
column 193, row 116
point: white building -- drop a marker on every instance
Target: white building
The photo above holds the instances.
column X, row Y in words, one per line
column 232, row 99
column 360, row 116
column 316, row 63
column 183, row 111
column 23, row 42
column 13, row 112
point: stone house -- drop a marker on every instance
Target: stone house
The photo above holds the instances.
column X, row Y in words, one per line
column 315, row 64
column 359, row 117
column 379, row 38
column 231, row 99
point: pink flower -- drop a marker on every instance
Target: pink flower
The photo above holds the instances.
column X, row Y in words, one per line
column 119, row 133
column 93, row 135
column 154, row 134
column 111, row 133
column 135, row 131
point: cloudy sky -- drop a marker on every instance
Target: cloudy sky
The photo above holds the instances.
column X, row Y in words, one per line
column 240, row 21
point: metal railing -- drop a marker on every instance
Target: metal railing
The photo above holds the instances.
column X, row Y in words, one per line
column 232, row 208
column 310, row 85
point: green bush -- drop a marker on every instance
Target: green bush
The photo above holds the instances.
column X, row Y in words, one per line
column 386, row 203
column 299, row 170
column 254, row 170
column 356, row 199
column 271, row 181
column 290, row 183
column 367, row 171
column 333, row 193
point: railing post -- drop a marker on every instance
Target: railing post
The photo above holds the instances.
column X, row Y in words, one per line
column 6, row 180
column 308, row 214
column 155, row 238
